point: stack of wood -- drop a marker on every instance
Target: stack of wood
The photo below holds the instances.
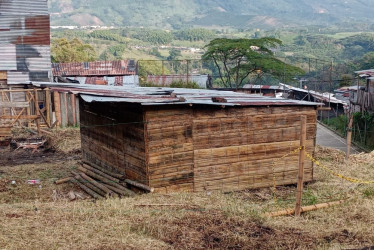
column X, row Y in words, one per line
column 99, row 182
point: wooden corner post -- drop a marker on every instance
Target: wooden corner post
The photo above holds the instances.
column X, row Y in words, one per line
column 300, row 178
column 349, row 136
column 36, row 105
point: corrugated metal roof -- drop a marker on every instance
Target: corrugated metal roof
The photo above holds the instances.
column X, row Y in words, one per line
column 98, row 68
column 169, row 96
column 24, row 7
column 273, row 87
column 24, row 40
column 365, row 73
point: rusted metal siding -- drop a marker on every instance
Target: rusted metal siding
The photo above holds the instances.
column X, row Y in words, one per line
column 24, row 40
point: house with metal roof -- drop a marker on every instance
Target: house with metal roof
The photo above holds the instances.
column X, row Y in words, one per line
column 363, row 97
column 192, row 139
column 112, row 73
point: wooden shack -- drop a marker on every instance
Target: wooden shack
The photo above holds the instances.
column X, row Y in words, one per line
column 195, row 140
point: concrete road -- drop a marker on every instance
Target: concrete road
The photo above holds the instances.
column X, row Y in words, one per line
column 327, row 138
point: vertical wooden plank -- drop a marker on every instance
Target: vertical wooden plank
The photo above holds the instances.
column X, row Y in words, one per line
column 69, row 109
column 47, row 106
column 349, row 136
column 77, row 115
column 28, row 99
column 300, row 179
column 63, row 109
column 73, row 109
column 3, row 99
column 57, row 102
column 37, row 111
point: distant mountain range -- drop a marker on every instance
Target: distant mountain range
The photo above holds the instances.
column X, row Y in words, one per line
column 246, row 14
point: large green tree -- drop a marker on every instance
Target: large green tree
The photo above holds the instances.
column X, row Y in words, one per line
column 64, row 50
column 239, row 59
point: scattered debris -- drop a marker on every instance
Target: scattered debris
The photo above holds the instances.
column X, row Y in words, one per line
column 33, row 182
column 30, row 145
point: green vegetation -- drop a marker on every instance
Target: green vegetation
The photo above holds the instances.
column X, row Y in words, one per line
column 239, row 59
column 363, row 128
column 168, row 14
column 63, row 50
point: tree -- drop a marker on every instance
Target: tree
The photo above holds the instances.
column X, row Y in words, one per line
column 63, row 50
column 151, row 68
column 237, row 59
column 174, row 54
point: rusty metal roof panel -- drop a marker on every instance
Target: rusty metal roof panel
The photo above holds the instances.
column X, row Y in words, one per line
column 98, row 68
column 169, row 96
column 24, row 40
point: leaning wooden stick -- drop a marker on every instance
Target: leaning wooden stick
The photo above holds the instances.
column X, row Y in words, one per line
column 124, row 192
column 140, row 185
column 101, row 178
column 100, row 173
column 97, row 184
column 87, row 189
column 115, row 175
column 90, row 185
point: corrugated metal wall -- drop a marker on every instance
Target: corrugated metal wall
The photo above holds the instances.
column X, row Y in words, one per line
column 25, row 40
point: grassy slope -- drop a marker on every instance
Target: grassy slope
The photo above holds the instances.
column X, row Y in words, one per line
column 31, row 217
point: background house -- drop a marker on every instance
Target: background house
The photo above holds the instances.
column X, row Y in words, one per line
column 362, row 98
column 112, row 73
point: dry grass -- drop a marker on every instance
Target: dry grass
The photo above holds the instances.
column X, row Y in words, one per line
column 31, row 217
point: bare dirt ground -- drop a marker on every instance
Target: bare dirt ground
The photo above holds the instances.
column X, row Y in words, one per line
column 41, row 216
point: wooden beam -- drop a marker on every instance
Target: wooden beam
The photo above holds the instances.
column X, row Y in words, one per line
column 324, row 108
column 304, row 209
column 21, row 117
column 47, row 106
column 300, row 179
column 36, row 104
column 14, row 104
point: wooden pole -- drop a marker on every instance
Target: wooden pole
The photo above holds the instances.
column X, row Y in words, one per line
column 47, row 106
column 100, row 178
column 115, row 175
column 100, row 173
column 36, row 104
column 56, row 97
column 140, row 185
column 28, row 108
column 300, row 178
column 87, row 189
column 95, row 183
column 304, row 209
column 349, row 136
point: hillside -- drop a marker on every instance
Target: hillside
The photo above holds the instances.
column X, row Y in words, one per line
column 219, row 13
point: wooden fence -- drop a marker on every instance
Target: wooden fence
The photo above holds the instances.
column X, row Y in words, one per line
column 37, row 108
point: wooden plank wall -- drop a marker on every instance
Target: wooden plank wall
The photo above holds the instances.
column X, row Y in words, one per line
column 66, row 108
column 113, row 137
column 207, row 148
column 234, row 148
column 170, row 148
